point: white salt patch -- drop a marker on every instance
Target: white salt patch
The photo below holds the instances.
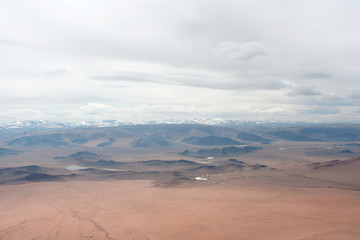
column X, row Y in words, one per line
column 75, row 168
column 201, row 178
column 109, row 169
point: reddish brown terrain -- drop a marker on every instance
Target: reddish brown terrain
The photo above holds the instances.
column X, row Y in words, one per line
column 138, row 210
column 282, row 190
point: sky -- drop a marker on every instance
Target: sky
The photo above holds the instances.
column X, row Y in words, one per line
column 144, row 60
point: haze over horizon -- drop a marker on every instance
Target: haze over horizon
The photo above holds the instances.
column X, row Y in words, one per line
column 157, row 60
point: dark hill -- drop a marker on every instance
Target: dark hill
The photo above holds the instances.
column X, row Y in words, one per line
column 149, row 163
column 97, row 135
column 151, row 141
column 172, row 129
column 81, row 140
column 351, row 144
column 43, row 177
column 50, row 140
column 79, row 156
column 25, row 169
column 39, row 177
column 163, row 162
column 252, row 138
column 232, row 160
column 341, row 134
column 347, row 151
column 31, row 173
column 5, row 151
column 220, row 152
column 106, row 144
column 211, row 141
column 104, row 163
column 292, row 136
column 333, row 163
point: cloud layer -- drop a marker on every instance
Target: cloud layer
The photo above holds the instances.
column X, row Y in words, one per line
column 157, row 59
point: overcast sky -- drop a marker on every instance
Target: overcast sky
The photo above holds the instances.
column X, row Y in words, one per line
column 154, row 60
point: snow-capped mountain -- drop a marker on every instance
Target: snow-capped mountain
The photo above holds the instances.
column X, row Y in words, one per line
column 41, row 124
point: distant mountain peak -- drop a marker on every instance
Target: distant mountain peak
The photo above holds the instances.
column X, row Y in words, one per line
column 43, row 124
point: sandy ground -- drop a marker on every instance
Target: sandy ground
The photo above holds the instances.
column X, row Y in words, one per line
column 138, row 210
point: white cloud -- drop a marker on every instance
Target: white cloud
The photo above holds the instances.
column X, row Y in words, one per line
column 304, row 91
column 178, row 58
column 96, row 108
column 332, row 97
column 316, row 75
column 233, row 51
column 278, row 110
column 55, row 71
column 193, row 78
column 20, row 113
column 321, row 111
column 355, row 95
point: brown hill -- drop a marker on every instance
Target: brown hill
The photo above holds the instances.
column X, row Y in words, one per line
column 332, row 163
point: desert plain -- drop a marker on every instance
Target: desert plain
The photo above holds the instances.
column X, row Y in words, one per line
column 285, row 190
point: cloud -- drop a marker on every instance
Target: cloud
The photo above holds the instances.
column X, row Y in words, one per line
column 332, row 97
column 316, row 75
column 274, row 110
column 8, row 42
column 303, row 91
column 277, row 110
column 183, row 53
column 129, row 76
column 233, row 51
column 211, row 81
column 355, row 95
column 55, row 71
column 96, row 109
column 20, row 113
column 357, row 111
column 320, row 111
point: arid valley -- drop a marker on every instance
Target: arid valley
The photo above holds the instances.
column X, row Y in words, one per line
column 181, row 181
column 180, row 120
